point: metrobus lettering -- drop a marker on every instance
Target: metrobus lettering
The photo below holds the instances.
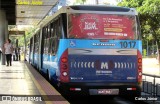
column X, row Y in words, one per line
column 90, row 26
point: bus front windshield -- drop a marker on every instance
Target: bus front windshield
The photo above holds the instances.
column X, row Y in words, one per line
column 102, row 26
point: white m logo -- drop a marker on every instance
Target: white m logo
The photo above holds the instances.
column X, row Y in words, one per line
column 104, row 65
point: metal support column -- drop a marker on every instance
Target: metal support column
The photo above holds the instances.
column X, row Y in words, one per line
column 16, row 43
column 25, row 47
column 17, row 51
column 2, row 33
column 6, row 30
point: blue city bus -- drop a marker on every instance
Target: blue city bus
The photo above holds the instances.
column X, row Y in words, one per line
column 92, row 50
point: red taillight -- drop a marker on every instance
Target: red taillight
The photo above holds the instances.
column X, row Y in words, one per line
column 64, row 76
column 139, row 60
column 132, row 89
column 64, row 67
column 75, row 89
column 139, row 67
column 64, row 60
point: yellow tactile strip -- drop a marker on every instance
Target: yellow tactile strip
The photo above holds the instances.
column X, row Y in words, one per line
column 45, row 88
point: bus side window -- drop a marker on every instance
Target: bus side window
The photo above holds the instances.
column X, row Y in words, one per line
column 47, row 45
column 50, row 46
column 31, row 42
column 35, row 44
column 52, row 29
column 49, row 38
column 44, row 47
column 51, row 51
column 58, row 34
column 42, row 32
column 53, row 46
column 46, row 32
column 49, row 31
column 53, row 32
column 58, row 28
column 32, row 46
column 56, row 44
column 38, row 41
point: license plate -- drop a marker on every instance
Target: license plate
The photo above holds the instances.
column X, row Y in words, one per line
column 108, row 91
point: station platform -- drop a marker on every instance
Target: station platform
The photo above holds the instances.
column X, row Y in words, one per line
column 22, row 84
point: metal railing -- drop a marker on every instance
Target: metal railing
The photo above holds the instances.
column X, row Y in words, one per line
column 151, row 85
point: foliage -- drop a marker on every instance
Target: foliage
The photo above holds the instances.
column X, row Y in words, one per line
column 80, row 1
column 107, row 3
column 28, row 34
column 149, row 18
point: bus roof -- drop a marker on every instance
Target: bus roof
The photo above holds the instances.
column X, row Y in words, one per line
column 100, row 8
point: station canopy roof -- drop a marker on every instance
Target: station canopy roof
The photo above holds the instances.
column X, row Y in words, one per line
column 26, row 12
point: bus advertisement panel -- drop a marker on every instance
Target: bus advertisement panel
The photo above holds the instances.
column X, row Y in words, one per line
column 102, row 26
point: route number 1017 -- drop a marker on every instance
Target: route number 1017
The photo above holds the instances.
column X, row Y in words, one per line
column 130, row 44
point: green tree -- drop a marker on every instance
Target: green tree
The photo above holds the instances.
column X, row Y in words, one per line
column 28, row 33
column 80, row 1
column 107, row 3
column 149, row 17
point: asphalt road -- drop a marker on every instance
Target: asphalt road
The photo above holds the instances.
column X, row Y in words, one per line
column 101, row 100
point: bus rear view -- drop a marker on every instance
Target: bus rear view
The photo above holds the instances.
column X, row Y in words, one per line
column 103, row 51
